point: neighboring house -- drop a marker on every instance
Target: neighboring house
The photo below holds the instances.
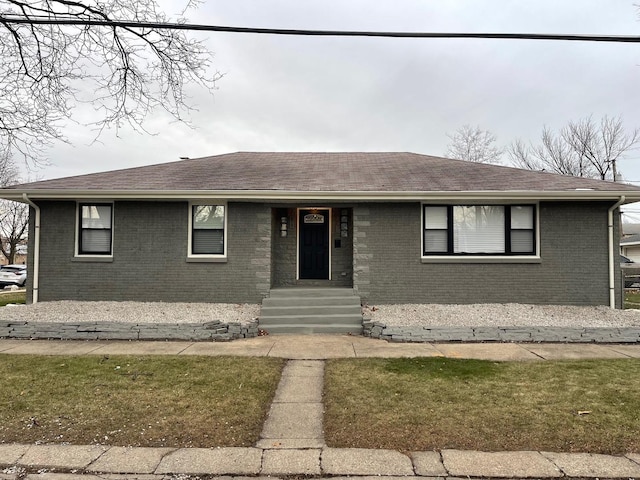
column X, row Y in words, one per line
column 21, row 255
column 630, row 246
column 396, row 227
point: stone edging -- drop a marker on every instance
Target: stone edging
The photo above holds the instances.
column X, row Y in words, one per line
column 209, row 331
column 220, row 331
column 501, row 334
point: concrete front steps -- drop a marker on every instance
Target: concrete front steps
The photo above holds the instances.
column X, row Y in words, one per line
column 311, row 310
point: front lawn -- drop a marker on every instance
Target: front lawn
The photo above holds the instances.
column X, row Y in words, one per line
column 437, row 403
column 632, row 298
column 139, row 401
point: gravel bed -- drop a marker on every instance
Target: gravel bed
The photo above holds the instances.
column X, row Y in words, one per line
column 474, row 315
column 131, row 312
column 501, row 315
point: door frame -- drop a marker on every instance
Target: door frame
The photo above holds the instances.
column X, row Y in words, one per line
column 326, row 209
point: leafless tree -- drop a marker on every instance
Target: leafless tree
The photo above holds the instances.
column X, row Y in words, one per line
column 553, row 154
column 582, row 148
column 474, row 144
column 14, row 216
column 124, row 73
column 14, row 222
column 601, row 145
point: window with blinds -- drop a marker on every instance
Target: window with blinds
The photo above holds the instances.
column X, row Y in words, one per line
column 479, row 230
column 95, row 229
column 207, row 234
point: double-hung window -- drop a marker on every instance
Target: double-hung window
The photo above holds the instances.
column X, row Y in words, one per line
column 95, row 229
column 479, row 230
column 207, row 230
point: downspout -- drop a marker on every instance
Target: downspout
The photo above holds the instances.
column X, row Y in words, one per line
column 36, row 248
column 613, row 248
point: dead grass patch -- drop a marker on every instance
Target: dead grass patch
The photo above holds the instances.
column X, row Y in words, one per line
column 12, row 297
column 136, row 401
column 435, row 403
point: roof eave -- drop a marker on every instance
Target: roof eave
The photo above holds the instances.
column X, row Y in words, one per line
column 280, row 195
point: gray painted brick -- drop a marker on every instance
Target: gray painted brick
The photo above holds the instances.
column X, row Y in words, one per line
column 567, row 229
column 150, row 239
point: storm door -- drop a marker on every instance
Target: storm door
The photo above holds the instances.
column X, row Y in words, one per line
column 313, row 244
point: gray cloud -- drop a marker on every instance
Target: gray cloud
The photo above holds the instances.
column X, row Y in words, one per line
column 329, row 94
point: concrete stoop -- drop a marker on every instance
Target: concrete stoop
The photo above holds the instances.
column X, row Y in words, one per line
column 311, row 310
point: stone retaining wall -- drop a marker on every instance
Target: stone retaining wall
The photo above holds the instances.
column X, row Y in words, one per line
column 219, row 331
column 501, row 334
column 210, row 331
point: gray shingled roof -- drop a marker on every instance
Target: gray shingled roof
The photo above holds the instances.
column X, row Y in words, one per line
column 322, row 172
column 632, row 239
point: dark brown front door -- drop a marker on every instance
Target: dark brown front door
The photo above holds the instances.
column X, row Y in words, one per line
column 314, row 244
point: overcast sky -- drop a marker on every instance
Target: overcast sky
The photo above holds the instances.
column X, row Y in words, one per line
column 285, row 93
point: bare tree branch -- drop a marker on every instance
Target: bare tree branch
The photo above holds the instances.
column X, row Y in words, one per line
column 125, row 73
column 14, row 216
column 582, row 149
column 474, row 145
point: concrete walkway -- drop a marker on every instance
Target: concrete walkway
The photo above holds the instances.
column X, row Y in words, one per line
column 292, row 440
column 320, row 347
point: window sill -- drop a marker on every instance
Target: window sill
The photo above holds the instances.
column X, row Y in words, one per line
column 479, row 259
column 206, row 259
column 93, row 259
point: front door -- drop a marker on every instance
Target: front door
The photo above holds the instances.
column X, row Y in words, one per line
column 313, row 253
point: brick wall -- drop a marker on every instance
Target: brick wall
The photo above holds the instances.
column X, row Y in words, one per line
column 150, row 250
column 150, row 256
column 573, row 269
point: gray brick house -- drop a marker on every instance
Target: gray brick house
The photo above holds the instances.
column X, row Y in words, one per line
column 395, row 227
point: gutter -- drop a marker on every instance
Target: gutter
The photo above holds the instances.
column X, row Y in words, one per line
column 296, row 196
column 613, row 248
column 36, row 249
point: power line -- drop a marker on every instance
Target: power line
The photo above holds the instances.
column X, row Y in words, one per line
column 318, row 33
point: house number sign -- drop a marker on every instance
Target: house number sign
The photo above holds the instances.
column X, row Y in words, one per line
column 314, row 218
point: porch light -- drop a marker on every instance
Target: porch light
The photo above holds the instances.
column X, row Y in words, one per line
column 283, row 226
column 344, row 223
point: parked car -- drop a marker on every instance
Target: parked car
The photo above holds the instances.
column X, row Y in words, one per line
column 630, row 271
column 13, row 275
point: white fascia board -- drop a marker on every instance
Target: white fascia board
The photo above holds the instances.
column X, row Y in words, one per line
column 272, row 195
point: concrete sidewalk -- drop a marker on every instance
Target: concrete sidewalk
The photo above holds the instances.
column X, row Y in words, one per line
column 67, row 462
column 292, row 440
column 320, row 347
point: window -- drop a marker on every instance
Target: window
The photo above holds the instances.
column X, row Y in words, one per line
column 479, row 230
column 95, row 229
column 207, row 230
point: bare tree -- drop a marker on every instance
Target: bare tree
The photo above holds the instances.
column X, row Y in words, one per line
column 14, row 222
column 552, row 154
column 14, row 216
column 601, row 145
column 124, row 73
column 474, row 144
column 582, row 149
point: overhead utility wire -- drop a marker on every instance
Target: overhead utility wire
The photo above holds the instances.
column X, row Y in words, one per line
column 318, row 33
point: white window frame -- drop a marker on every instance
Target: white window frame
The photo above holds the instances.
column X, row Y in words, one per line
column 210, row 257
column 78, row 218
column 482, row 258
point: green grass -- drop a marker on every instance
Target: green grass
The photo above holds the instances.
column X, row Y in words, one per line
column 632, row 298
column 6, row 298
column 137, row 401
column 435, row 403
